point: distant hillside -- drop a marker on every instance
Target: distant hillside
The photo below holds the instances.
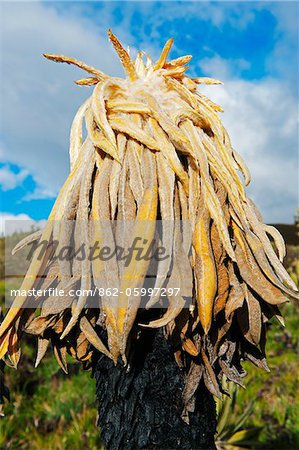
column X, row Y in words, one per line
column 289, row 232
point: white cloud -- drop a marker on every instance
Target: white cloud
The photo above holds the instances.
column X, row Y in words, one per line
column 10, row 180
column 237, row 14
column 283, row 60
column 223, row 68
column 40, row 99
column 10, row 223
column 39, row 193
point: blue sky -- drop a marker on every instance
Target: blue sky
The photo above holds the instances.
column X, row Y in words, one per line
column 251, row 46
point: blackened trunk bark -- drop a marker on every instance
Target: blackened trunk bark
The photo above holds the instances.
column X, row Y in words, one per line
column 140, row 406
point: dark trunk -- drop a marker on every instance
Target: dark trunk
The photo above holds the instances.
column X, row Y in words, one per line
column 140, row 407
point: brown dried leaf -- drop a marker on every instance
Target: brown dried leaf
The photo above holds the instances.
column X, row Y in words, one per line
column 189, row 347
column 60, row 355
column 42, row 346
column 14, row 349
column 55, row 304
column 231, row 372
column 205, row 271
column 254, row 355
column 252, row 274
column 250, row 319
column 209, row 376
column 135, row 272
column 40, row 324
column 26, row 241
column 82, row 346
column 92, row 336
column 191, row 384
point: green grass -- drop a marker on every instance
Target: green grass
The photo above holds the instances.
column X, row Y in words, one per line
column 275, row 395
column 48, row 409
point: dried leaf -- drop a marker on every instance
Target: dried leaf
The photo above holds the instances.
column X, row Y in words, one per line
column 135, row 272
column 209, row 376
column 26, row 241
column 205, row 271
column 123, row 56
column 42, row 346
column 162, row 59
column 253, row 276
column 39, row 325
column 60, row 355
column 189, row 347
column 92, row 336
column 250, row 319
column 65, row 59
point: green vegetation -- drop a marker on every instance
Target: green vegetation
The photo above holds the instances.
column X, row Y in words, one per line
column 51, row 410
column 268, row 409
column 48, row 409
